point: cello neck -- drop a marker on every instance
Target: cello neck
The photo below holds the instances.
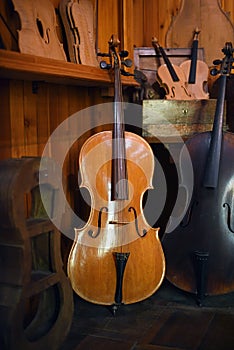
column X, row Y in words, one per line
column 170, row 68
column 119, row 184
column 193, row 67
column 212, row 165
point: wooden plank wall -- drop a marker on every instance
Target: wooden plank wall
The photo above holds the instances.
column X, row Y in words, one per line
column 153, row 18
column 28, row 117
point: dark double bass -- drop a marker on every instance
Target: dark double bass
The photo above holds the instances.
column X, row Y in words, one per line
column 116, row 257
column 200, row 251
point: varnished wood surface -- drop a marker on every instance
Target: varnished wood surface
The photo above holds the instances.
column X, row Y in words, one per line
column 52, row 107
column 216, row 27
column 16, row 65
column 38, row 30
column 199, row 89
column 91, row 265
column 128, row 19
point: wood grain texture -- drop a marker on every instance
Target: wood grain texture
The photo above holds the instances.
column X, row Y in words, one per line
column 37, row 34
column 216, row 27
column 91, row 264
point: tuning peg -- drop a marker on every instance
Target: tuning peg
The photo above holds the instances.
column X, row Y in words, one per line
column 102, row 54
column 127, row 74
column 123, row 54
column 217, row 62
column 105, row 65
column 214, row 71
column 127, row 62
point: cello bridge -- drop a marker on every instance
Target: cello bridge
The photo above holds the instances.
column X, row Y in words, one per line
column 116, row 222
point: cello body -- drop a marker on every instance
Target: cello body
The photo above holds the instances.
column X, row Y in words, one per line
column 92, row 267
column 207, row 230
column 199, row 252
column 116, row 257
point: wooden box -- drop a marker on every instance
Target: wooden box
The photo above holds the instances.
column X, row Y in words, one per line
column 170, row 120
column 147, row 61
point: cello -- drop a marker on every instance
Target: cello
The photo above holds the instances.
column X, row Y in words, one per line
column 116, row 257
column 196, row 72
column 199, row 252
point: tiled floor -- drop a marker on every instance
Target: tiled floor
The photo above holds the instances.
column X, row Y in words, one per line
column 169, row 320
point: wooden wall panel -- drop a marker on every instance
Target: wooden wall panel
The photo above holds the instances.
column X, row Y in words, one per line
column 43, row 116
column 138, row 25
column 30, row 120
column 108, row 23
column 152, row 18
column 150, row 21
column 5, row 130
column 134, row 21
column 29, row 117
column 16, row 101
column 228, row 7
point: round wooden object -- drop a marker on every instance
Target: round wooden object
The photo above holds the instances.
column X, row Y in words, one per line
column 36, row 300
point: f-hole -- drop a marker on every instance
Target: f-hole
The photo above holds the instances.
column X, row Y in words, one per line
column 44, row 35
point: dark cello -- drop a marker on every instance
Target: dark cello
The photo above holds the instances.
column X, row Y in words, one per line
column 199, row 251
column 116, row 257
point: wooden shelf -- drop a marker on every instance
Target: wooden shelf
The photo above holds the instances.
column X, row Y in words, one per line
column 15, row 65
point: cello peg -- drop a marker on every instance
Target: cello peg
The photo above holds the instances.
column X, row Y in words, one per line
column 123, row 54
column 214, row 71
column 105, row 65
column 102, row 54
column 127, row 62
column 217, row 62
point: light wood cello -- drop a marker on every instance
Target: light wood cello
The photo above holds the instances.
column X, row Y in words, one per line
column 116, row 257
column 196, row 72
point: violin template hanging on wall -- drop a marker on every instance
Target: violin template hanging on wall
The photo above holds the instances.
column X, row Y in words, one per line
column 116, row 257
